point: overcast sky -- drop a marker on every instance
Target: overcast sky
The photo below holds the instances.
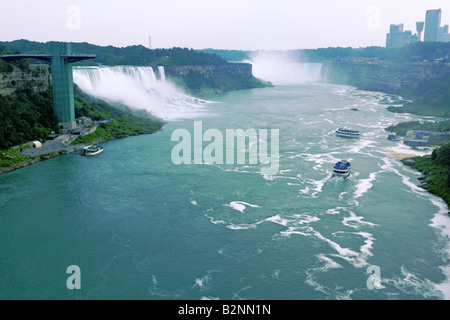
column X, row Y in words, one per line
column 220, row 24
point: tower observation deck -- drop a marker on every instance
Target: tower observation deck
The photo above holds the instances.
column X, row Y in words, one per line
column 61, row 59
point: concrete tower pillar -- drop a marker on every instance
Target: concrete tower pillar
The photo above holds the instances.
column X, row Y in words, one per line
column 62, row 83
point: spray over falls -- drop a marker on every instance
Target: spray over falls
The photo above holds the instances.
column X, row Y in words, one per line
column 283, row 69
column 138, row 88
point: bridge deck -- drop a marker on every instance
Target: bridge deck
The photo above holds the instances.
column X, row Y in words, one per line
column 46, row 57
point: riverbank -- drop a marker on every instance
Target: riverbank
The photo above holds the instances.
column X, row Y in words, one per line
column 403, row 152
column 435, row 169
column 433, row 162
column 13, row 159
column 24, row 162
column 122, row 126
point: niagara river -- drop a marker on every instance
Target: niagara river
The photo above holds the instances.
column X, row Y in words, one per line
column 139, row 226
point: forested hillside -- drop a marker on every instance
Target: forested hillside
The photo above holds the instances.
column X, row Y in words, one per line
column 112, row 56
column 26, row 116
column 430, row 97
column 436, row 169
column 416, row 52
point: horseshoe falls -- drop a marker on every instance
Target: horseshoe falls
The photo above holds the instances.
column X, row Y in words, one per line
column 284, row 69
column 140, row 226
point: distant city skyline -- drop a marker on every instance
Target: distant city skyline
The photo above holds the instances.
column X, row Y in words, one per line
column 219, row 24
column 398, row 37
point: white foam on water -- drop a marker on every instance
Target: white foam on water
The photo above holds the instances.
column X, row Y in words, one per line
column 364, row 185
column 203, row 282
column 358, row 146
column 318, row 186
column 276, row 273
column 319, row 158
column 368, row 242
column 234, row 226
column 199, row 282
column 278, row 220
column 294, row 220
column 389, row 167
column 412, row 284
column 295, row 223
column 327, row 265
column 268, row 177
column 355, row 221
column 334, row 211
column 342, row 194
column 240, row 205
column 344, row 253
column 441, row 222
column 293, row 230
column 357, row 259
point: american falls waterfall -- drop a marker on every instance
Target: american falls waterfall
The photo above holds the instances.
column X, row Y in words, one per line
column 284, row 69
column 138, row 88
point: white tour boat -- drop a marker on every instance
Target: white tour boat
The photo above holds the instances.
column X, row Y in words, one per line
column 91, row 150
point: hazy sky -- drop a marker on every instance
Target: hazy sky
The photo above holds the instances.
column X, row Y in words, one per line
column 220, row 24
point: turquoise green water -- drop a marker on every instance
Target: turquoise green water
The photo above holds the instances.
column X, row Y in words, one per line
column 141, row 227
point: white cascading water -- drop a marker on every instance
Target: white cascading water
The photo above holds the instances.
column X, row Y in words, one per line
column 138, row 88
column 283, row 69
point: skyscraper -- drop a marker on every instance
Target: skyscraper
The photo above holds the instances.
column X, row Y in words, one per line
column 443, row 34
column 398, row 38
column 432, row 24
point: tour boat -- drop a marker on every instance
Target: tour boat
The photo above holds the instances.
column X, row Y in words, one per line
column 91, row 150
column 347, row 133
column 342, row 168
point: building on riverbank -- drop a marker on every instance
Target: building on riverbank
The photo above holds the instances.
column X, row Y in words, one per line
column 420, row 138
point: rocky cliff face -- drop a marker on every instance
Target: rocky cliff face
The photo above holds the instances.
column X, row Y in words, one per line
column 37, row 78
column 204, row 80
column 208, row 71
column 378, row 76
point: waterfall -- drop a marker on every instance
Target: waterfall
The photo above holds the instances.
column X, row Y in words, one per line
column 138, row 88
column 284, row 69
column 162, row 74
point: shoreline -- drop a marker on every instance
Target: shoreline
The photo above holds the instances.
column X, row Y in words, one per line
column 62, row 150
column 62, row 145
column 400, row 154
column 36, row 159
